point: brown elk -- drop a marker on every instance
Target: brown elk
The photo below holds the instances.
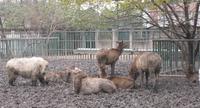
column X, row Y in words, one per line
column 62, row 76
column 148, row 63
column 123, row 82
column 109, row 57
column 84, row 84
column 57, row 76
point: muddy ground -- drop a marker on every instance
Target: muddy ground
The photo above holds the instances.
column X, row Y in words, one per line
column 173, row 92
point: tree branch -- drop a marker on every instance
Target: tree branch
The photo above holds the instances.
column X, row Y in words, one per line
column 187, row 21
column 170, row 20
column 155, row 23
column 185, row 30
column 168, row 15
column 195, row 19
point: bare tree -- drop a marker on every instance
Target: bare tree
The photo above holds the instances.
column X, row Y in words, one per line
column 181, row 24
column 3, row 39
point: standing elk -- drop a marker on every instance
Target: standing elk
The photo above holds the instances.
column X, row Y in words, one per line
column 109, row 57
column 148, row 63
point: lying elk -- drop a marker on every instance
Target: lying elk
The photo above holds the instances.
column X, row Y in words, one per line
column 62, row 76
column 109, row 57
column 123, row 82
column 84, row 84
column 56, row 76
column 148, row 63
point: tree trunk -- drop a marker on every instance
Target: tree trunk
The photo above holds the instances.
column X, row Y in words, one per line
column 191, row 57
column 3, row 37
column 188, row 60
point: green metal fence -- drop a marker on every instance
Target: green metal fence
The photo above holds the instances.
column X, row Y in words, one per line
column 32, row 46
column 172, row 55
column 85, row 44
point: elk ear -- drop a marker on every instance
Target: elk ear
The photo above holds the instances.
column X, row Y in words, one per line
column 69, row 74
column 125, row 45
column 72, row 67
column 83, row 75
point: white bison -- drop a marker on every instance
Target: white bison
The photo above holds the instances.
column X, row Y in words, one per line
column 33, row 68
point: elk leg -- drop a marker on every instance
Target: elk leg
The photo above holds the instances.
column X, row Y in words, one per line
column 147, row 78
column 155, row 82
column 112, row 69
column 34, row 82
column 142, row 79
column 103, row 72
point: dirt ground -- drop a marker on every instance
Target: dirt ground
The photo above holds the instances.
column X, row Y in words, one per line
column 173, row 92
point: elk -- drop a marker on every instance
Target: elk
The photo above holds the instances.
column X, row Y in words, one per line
column 122, row 82
column 61, row 76
column 84, row 84
column 109, row 57
column 148, row 63
column 57, row 76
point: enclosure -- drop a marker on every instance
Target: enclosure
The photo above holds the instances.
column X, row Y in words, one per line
column 78, row 48
column 83, row 45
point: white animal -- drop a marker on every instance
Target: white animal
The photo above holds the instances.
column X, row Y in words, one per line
column 33, row 68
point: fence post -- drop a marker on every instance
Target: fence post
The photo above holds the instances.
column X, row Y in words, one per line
column 131, row 39
column 97, row 39
column 82, row 42
column 114, row 37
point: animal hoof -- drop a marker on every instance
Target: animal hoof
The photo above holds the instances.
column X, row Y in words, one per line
column 11, row 84
column 45, row 84
column 194, row 81
column 141, row 86
column 130, row 90
column 155, row 90
column 33, row 84
column 147, row 87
